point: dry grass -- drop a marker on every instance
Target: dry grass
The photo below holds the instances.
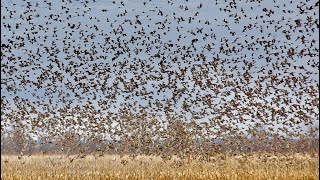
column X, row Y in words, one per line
column 259, row 166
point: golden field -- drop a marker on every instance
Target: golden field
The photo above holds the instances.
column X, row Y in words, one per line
column 256, row 166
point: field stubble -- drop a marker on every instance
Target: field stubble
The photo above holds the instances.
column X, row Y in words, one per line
column 257, row 166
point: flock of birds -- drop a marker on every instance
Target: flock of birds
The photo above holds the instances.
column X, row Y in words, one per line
column 141, row 72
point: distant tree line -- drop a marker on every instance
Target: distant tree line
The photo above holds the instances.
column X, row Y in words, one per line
column 177, row 142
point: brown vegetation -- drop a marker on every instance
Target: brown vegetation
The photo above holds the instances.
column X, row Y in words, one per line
column 256, row 166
